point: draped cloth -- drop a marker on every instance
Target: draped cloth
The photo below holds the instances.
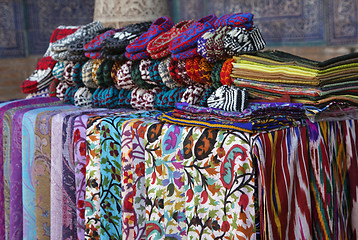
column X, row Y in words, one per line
column 283, row 161
column 200, row 183
column 3, row 108
column 333, row 171
column 30, row 174
column 14, row 118
column 115, row 177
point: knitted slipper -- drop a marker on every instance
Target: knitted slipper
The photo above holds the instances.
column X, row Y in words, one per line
column 193, row 94
column 95, row 44
column 164, row 73
column 189, row 38
column 237, row 41
column 82, row 97
column 77, row 74
column 137, row 56
column 162, row 24
column 41, row 74
column 124, row 77
column 161, row 42
column 121, row 39
column 61, row 45
column 189, row 53
column 58, row 70
column 154, row 73
column 229, row 98
column 93, row 55
column 202, row 44
column 235, row 20
column 87, row 76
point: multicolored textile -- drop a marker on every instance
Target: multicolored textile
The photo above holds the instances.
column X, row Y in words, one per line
column 112, row 179
column 12, row 166
column 170, row 117
column 285, row 206
column 330, row 160
column 3, row 108
column 29, row 172
column 200, row 183
column 132, row 151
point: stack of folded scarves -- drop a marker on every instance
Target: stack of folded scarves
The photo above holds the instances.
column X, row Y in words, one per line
column 255, row 118
column 149, row 65
column 269, row 75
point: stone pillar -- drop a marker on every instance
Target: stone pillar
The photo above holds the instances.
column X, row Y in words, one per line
column 118, row 13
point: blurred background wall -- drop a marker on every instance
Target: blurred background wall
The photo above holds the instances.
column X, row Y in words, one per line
column 316, row 29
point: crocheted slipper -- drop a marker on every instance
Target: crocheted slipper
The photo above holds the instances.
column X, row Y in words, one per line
column 189, row 38
column 162, row 24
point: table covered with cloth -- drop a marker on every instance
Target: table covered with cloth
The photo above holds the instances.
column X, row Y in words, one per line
column 81, row 173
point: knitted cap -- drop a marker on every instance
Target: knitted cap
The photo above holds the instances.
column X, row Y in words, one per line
column 205, row 96
column 166, row 99
column 52, row 87
column 69, row 96
column 218, row 44
column 115, row 68
column 99, row 74
column 144, row 70
column 77, row 74
column 202, row 44
column 236, row 41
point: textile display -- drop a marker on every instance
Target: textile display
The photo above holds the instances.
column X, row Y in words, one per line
column 159, row 130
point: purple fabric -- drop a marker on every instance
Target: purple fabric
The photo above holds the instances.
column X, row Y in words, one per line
column 3, row 108
column 16, row 229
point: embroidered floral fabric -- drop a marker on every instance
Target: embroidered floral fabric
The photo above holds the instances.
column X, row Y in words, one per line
column 200, row 183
